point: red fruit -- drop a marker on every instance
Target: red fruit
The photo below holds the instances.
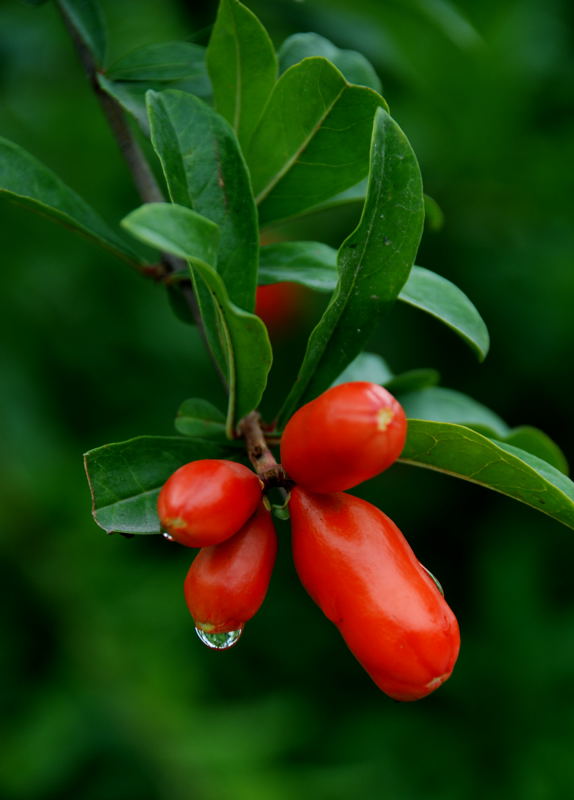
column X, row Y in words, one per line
column 205, row 502
column 227, row 583
column 347, row 435
column 360, row 570
column 278, row 305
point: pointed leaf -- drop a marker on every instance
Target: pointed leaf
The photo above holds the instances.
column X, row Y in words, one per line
column 464, row 453
column 242, row 66
column 87, row 19
column 163, row 61
column 244, row 337
column 312, row 264
column 374, row 262
column 126, row 477
column 439, row 297
column 354, row 66
column 24, row 177
column 199, row 418
column 312, row 141
column 204, row 170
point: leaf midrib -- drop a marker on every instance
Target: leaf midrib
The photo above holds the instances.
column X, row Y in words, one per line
column 292, row 160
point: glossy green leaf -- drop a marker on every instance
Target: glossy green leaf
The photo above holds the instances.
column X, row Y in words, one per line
column 87, row 18
column 354, row 66
column 365, row 367
column 539, row 444
column 312, row 141
column 374, row 263
column 199, row 418
column 312, row 264
column 163, row 61
column 439, row 297
column 126, row 477
column 412, row 380
column 446, row 405
column 131, row 95
column 244, row 337
column 349, row 197
column 25, row 178
column 175, row 229
column 434, row 217
column 464, row 453
column 242, row 66
column 204, row 170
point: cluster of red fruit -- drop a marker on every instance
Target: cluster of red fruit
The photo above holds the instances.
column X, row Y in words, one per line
column 351, row 558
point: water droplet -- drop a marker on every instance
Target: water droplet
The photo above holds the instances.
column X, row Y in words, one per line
column 168, row 536
column 220, row 641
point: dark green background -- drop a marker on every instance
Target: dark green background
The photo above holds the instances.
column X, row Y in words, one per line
column 107, row 693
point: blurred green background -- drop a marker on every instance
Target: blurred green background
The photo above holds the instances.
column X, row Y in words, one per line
column 106, row 691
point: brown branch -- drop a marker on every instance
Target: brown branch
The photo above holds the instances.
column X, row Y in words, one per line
column 142, row 175
column 271, row 473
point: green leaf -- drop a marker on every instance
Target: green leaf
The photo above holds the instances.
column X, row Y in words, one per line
column 175, row 229
column 131, row 95
column 199, row 418
column 434, row 217
column 126, row 477
column 87, row 19
column 412, row 380
column 374, row 262
column 464, row 453
column 365, row 367
column 439, row 297
column 312, row 141
column 25, row 178
column 446, row 405
column 312, row 264
column 354, row 66
column 244, row 337
column 204, row 170
column 539, row 444
column 163, row 61
column 242, row 66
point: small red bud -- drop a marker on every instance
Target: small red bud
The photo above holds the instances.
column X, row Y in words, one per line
column 347, row 435
column 227, row 583
column 207, row 501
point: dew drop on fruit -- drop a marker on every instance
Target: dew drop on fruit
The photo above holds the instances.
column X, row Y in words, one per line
column 168, row 536
column 219, row 641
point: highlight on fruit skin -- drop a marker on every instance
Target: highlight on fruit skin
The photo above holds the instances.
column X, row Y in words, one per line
column 207, row 501
column 227, row 583
column 357, row 566
column 348, row 434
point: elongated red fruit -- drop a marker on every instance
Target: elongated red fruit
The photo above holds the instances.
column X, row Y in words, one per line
column 207, row 501
column 360, row 570
column 347, row 435
column 227, row 583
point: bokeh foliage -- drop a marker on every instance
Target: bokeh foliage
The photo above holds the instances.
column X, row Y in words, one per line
column 107, row 692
